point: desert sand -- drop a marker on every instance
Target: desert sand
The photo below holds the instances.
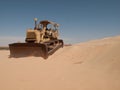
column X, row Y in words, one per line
column 93, row 65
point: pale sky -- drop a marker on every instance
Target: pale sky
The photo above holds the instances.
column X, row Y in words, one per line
column 80, row 20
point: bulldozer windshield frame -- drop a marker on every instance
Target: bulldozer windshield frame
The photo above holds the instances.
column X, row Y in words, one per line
column 45, row 23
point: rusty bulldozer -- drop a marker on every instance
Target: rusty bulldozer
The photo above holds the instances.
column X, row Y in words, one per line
column 40, row 41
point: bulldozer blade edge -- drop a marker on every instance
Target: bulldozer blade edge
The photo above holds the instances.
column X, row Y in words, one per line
column 34, row 49
column 28, row 49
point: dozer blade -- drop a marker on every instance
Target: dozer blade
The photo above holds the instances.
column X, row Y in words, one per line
column 28, row 49
column 34, row 49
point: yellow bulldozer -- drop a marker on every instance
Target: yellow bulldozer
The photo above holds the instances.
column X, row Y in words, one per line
column 40, row 41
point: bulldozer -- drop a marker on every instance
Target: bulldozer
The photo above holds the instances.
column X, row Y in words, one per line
column 41, row 41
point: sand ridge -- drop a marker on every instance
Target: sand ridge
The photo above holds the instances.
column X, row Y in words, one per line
column 93, row 65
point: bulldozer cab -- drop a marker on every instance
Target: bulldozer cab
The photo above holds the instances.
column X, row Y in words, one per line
column 47, row 25
column 43, row 31
column 49, row 28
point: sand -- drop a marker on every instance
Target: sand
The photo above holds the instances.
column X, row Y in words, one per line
column 93, row 65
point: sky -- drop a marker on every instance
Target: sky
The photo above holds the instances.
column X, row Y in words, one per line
column 80, row 20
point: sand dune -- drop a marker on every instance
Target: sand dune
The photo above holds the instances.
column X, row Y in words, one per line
column 93, row 65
